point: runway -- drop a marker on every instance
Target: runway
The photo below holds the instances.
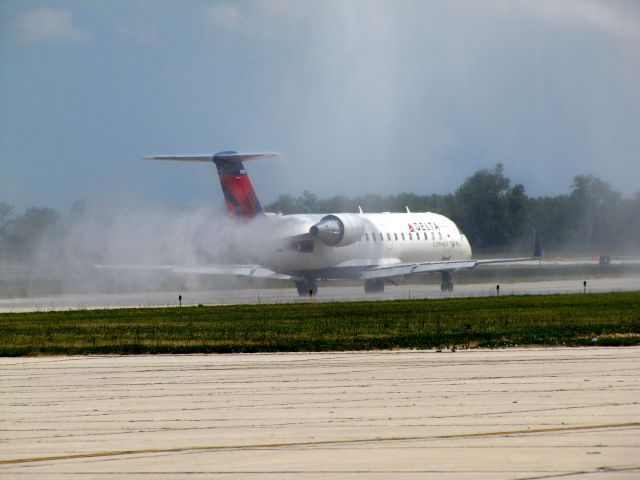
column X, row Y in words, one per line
column 503, row 414
column 325, row 294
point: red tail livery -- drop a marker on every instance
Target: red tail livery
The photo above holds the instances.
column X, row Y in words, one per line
column 238, row 192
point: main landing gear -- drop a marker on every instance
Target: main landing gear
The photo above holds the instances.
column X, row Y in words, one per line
column 374, row 285
column 447, row 282
column 307, row 287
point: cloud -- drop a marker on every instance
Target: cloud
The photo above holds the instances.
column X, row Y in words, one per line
column 43, row 24
column 615, row 18
column 265, row 19
column 224, row 16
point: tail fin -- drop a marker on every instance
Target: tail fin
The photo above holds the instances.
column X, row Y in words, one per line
column 238, row 192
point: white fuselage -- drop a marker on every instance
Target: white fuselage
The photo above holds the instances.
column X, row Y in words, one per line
column 387, row 238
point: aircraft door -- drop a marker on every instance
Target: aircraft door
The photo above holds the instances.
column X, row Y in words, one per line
column 447, row 241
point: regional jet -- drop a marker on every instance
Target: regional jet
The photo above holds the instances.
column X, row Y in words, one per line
column 304, row 248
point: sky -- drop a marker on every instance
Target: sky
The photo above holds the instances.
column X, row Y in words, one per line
column 357, row 96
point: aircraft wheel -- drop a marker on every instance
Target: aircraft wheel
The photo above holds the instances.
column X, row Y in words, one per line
column 446, row 286
column 307, row 289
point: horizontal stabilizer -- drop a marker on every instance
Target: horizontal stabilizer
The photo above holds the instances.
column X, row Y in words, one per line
column 226, row 156
column 241, row 157
column 183, row 158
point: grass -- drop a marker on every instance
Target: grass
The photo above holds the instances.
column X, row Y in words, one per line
column 611, row 318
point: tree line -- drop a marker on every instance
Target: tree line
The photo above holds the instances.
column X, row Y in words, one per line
column 592, row 219
column 33, row 236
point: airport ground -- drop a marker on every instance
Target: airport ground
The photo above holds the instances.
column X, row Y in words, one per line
column 479, row 414
column 326, row 293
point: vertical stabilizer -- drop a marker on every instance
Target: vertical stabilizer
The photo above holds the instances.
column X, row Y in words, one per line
column 238, row 192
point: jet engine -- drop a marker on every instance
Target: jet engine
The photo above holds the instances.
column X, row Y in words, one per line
column 338, row 230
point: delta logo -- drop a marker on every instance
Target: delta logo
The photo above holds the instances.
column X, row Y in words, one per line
column 420, row 226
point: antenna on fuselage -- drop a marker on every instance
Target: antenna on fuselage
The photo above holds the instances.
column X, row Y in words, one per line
column 360, row 209
column 407, row 207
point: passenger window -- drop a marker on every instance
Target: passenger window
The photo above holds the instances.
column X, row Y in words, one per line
column 433, row 236
column 402, row 236
column 373, row 237
column 395, row 236
column 410, row 237
column 366, row 236
column 388, row 236
column 426, row 236
column 439, row 235
column 381, row 237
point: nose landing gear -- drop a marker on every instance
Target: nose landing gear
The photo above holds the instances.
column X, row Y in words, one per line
column 447, row 282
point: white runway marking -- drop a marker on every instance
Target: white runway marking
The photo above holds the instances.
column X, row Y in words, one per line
column 530, row 413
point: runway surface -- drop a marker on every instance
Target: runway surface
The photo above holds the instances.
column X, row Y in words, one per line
column 504, row 414
column 325, row 293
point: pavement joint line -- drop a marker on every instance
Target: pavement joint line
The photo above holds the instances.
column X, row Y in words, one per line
column 117, row 453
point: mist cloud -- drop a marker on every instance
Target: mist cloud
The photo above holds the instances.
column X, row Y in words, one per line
column 43, row 24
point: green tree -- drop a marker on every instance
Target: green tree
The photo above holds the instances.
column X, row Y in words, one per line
column 338, row 203
column 284, row 204
column 492, row 214
column 549, row 216
column 307, row 203
column 6, row 214
column 33, row 235
column 594, row 213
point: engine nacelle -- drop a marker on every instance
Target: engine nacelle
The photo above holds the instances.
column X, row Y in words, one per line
column 338, row 230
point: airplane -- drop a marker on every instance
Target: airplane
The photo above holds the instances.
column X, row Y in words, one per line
column 305, row 248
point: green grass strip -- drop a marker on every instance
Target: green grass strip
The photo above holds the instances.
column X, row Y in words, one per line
column 610, row 319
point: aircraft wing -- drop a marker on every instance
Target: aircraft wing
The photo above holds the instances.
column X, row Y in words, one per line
column 402, row 269
column 253, row 271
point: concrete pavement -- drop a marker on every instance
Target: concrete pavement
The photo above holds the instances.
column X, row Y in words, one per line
column 485, row 414
column 325, row 294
